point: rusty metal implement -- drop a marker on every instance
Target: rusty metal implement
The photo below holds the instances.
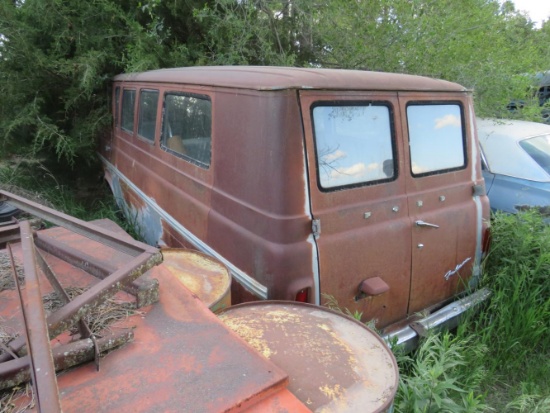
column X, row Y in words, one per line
column 29, row 354
column 172, row 355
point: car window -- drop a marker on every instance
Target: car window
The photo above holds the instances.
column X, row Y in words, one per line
column 436, row 138
column 128, row 100
column 538, row 148
column 353, row 144
column 148, row 102
column 187, row 127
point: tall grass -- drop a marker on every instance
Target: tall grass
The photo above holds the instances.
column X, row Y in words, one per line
column 441, row 377
column 516, row 324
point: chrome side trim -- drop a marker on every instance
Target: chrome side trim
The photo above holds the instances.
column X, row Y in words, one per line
column 244, row 279
column 444, row 318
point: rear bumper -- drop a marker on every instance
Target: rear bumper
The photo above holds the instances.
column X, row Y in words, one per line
column 447, row 317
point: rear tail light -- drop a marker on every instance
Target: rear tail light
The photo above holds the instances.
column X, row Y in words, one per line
column 303, row 295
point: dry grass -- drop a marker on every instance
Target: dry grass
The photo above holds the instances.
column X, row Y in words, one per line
column 8, row 398
column 100, row 317
column 6, row 276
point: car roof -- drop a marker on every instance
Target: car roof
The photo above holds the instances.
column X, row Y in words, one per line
column 280, row 78
column 499, row 139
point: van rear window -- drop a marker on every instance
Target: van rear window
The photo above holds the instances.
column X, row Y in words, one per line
column 436, row 138
column 187, row 127
column 353, row 144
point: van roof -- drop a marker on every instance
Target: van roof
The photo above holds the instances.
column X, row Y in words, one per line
column 280, row 78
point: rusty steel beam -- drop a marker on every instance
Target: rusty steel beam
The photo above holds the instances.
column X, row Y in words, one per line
column 36, row 331
column 78, row 258
column 9, row 233
column 106, row 237
column 16, row 372
column 145, row 291
column 67, row 316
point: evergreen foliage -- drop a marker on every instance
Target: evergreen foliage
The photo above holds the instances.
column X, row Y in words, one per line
column 57, row 57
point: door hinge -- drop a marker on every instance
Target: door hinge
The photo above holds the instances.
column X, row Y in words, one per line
column 316, row 228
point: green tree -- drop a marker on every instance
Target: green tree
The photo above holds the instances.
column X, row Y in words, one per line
column 57, row 57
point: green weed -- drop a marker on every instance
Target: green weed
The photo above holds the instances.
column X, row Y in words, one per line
column 439, row 377
column 516, row 323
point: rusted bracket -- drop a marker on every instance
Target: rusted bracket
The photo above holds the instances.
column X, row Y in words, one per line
column 145, row 291
column 68, row 315
column 9, row 233
column 85, row 331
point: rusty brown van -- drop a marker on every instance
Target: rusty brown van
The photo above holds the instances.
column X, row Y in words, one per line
column 363, row 188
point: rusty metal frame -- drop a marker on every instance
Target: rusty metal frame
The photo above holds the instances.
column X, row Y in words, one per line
column 41, row 362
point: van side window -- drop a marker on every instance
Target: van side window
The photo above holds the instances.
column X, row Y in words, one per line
column 128, row 100
column 436, row 138
column 187, row 127
column 353, row 144
column 117, row 105
column 148, row 102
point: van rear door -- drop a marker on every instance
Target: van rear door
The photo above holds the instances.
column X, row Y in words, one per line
column 358, row 196
column 439, row 172
column 391, row 189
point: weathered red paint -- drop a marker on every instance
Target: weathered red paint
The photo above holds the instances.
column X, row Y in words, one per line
column 181, row 359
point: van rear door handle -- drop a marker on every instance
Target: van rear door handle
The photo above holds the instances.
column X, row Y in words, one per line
column 425, row 224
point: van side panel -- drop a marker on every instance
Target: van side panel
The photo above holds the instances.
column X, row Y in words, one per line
column 259, row 198
column 181, row 188
column 250, row 205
